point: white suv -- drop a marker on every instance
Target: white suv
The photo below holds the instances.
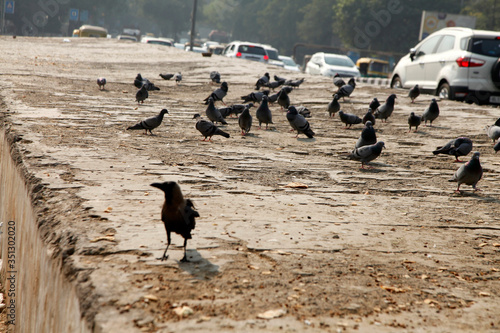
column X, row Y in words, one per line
column 454, row 63
column 246, row 50
column 329, row 64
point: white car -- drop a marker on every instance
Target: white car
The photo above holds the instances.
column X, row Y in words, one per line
column 290, row 63
column 273, row 56
column 246, row 50
column 454, row 63
column 329, row 64
column 157, row 40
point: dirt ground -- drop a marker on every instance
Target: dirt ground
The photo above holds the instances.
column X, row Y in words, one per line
column 389, row 249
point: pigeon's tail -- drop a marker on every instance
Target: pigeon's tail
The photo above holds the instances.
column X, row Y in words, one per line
column 223, row 122
column 155, row 88
column 497, row 123
column 135, row 127
column 221, row 132
column 439, row 150
column 309, row 133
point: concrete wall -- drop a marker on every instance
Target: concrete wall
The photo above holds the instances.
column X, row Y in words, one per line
column 45, row 301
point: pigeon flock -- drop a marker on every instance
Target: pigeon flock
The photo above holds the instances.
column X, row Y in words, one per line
column 178, row 214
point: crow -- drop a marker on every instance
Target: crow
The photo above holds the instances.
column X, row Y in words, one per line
column 177, row 214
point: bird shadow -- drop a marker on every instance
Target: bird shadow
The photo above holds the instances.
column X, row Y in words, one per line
column 306, row 139
column 475, row 194
column 252, row 135
column 199, row 267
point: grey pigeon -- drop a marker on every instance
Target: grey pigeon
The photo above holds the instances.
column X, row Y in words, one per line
column 349, row 119
column 215, row 76
column 263, row 113
column 496, row 147
column 101, row 82
column 225, row 112
column 207, row 128
column 255, row 97
column 334, row 106
column 262, row 81
column 149, row 123
column 493, row 131
column 218, row 94
column 237, row 109
column 303, row 111
column 283, row 99
column 374, row 104
column 346, row 90
column 469, row 173
column 294, row 83
column 431, row 112
column 457, row 147
column 385, row 110
column 139, row 81
column 368, row 117
column 166, row 76
column 141, row 95
column 414, row 121
column 213, row 113
column 368, row 136
column 368, row 153
column 414, row 93
column 245, row 121
column 298, row 122
column 274, row 97
column 178, row 77
column 275, row 84
column 277, row 78
column 338, row 81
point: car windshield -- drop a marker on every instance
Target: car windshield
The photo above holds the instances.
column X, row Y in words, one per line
column 251, row 49
column 335, row 61
column 272, row 54
column 288, row 62
column 487, row 47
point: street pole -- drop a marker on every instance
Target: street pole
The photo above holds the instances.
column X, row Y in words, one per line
column 2, row 27
column 193, row 20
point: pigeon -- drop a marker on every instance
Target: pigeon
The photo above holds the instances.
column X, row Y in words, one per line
column 294, row 83
column 101, row 82
column 178, row 78
column 493, row 131
column 368, row 136
column 166, row 76
column 283, row 99
column 262, row 81
column 245, row 121
column 414, row 93
column 178, row 214
column 149, row 123
column 298, row 122
column 237, row 109
column 338, row 81
column 274, row 97
column 255, row 97
column 366, row 154
column 225, row 112
column 374, row 104
column 385, row 110
column 215, row 77
column 334, row 105
column 277, row 78
column 218, row 94
column 275, row 84
column 414, row 121
column 349, row 119
column 303, row 111
column 457, row 147
column 139, row 81
column 469, row 173
column 496, row 147
column 207, row 128
column 213, row 113
column 431, row 113
column 347, row 89
column 263, row 113
column 141, row 95
column 368, row 117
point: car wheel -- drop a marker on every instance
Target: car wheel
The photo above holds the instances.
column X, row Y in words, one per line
column 396, row 83
column 444, row 91
column 495, row 74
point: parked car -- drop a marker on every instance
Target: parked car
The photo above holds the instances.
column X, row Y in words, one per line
column 329, row 64
column 157, row 40
column 273, row 56
column 371, row 67
column 126, row 37
column 90, row 31
column 289, row 63
column 454, row 63
column 246, row 50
